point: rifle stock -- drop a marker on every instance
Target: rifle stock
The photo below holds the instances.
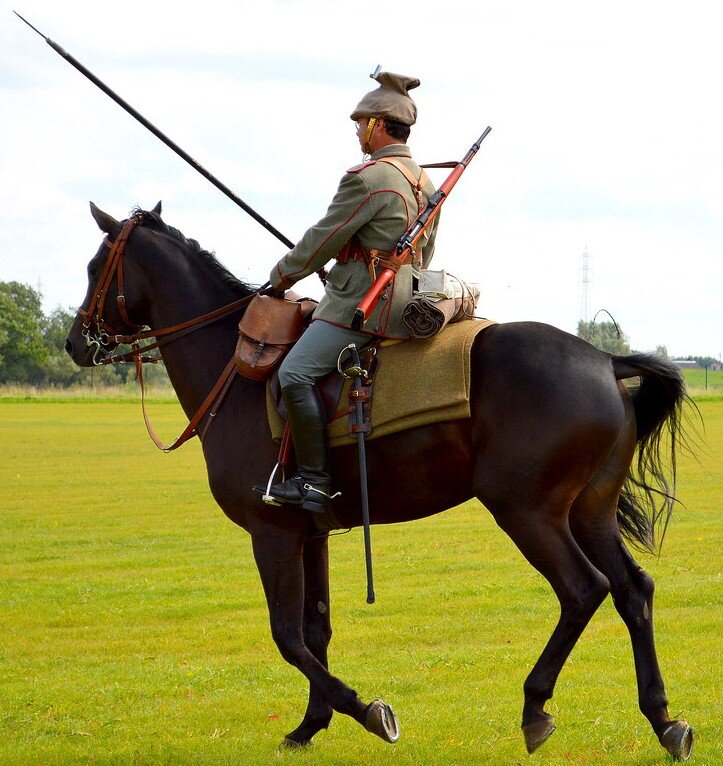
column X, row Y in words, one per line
column 409, row 240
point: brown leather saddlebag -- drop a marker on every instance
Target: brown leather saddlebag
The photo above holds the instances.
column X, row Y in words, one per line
column 268, row 329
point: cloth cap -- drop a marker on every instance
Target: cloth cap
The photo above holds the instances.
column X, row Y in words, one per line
column 390, row 99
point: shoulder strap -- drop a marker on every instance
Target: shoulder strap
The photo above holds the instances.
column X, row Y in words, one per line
column 417, row 184
column 359, row 168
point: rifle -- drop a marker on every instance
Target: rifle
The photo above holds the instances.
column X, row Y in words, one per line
column 404, row 249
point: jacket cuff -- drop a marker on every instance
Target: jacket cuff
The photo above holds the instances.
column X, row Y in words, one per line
column 278, row 281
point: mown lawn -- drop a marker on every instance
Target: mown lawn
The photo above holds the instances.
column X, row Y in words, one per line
column 133, row 628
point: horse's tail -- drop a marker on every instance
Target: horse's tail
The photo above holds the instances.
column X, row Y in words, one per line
column 648, row 495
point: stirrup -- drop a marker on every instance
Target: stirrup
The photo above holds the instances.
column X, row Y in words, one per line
column 267, row 497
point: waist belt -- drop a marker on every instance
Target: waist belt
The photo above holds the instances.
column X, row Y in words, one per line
column 355, row 251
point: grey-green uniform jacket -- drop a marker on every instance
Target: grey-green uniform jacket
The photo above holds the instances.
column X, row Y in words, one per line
column 375, row 203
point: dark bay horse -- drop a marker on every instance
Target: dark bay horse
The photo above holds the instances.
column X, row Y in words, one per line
column 549, row 451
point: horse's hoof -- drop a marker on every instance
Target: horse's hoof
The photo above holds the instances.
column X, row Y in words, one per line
column 381, row 720
column 677, row 739
column 538, row 732
column 291, row 744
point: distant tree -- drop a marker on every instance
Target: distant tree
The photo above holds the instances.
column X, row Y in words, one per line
column 3, row 340
column 56, row 327
column 59, row 369
column 21, row 343
column 32, row 346
column 604, row 335
column 662, row 351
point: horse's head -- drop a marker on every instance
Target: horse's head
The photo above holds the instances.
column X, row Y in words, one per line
column 114, row 302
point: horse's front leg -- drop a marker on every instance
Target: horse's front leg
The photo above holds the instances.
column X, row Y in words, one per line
column 317, row 634
column 279, row 558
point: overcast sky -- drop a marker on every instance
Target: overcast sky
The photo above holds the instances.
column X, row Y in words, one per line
column 607, row 125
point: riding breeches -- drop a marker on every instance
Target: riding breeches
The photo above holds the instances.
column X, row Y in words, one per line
column 317, row 351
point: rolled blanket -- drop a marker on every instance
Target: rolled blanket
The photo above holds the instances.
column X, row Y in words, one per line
column 441, row 299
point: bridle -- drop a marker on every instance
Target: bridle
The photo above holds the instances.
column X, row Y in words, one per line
column 99, row 334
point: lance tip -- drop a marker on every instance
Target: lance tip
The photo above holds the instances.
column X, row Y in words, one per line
column 30, row 25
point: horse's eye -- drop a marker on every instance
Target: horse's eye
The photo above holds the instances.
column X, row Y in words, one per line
column 92, row 271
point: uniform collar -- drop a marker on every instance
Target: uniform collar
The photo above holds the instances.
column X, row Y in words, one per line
column 393, row 150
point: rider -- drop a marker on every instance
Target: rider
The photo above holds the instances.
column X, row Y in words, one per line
column 375, row 204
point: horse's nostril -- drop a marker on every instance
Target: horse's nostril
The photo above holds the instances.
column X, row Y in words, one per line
column 68, row 346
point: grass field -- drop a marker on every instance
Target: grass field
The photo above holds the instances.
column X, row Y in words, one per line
column 704, row 385
column 133, row 628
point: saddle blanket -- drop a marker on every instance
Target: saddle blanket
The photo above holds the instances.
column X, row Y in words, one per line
column 417, row 382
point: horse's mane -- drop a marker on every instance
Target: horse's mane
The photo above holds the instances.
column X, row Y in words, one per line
column 154, row 221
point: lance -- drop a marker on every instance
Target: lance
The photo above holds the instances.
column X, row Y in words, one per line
column 163, row 137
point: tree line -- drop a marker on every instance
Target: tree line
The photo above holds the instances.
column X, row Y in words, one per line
column 609, row 337
column 32, row 346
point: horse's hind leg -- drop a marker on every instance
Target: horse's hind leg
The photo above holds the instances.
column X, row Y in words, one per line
column 317, row 634
column 542, row 535
column 594, row 526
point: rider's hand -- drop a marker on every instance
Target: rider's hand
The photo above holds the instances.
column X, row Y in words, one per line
column 274, row 292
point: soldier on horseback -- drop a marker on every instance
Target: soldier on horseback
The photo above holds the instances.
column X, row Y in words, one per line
column 375, row 204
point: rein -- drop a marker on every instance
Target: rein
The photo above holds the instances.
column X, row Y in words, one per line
column 104, row 334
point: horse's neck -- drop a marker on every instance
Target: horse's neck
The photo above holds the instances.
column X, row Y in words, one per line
column 195, row 361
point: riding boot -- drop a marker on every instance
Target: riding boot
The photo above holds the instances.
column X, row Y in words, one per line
column 310, row 486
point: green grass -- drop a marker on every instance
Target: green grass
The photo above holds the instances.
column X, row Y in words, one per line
column 133, row 628
column 704, row 385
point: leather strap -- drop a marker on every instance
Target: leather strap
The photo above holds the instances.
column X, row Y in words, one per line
column 213, row 400
column 417, row 184
column 355, row 251
column 94, row 313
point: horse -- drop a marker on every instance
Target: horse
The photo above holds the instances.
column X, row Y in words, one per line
column 549, row 449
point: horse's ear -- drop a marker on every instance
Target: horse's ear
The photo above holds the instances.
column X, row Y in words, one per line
column 106, row 222
column 157, row 208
